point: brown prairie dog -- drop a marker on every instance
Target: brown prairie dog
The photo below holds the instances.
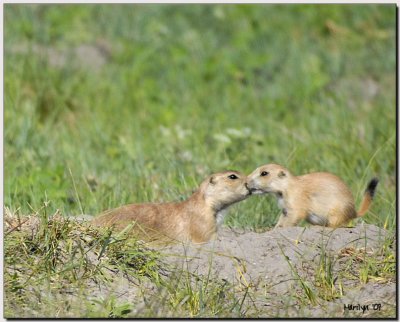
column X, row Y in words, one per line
column 320, row 198
column 195, row 219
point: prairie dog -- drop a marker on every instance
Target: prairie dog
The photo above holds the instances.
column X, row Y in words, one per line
column 320, row 198
column 195, row 219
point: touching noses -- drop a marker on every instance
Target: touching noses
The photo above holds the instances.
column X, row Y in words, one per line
column 249, row 182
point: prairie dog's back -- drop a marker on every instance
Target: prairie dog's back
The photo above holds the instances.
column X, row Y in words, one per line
column 325, row 183
column 147, row 215
column 327, row 194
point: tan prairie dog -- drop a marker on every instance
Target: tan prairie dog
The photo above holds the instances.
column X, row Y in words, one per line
column 195, row 219
column 320, row 198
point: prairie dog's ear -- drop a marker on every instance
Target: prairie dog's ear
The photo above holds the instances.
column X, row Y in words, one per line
column 212, row 180
column 281, row 174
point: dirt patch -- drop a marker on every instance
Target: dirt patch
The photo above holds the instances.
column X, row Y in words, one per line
column 274, row 263
column 288, row 272
column 91, row 56
column 270, row 267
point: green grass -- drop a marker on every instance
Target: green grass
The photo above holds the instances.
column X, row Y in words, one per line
column 157, row 117
column 182, row 91
column 54, row 259
column 56, row 267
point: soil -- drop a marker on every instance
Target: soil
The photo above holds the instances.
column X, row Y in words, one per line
column 267, row 265
column 272, row 271
column 270, row 261
column 91, row 56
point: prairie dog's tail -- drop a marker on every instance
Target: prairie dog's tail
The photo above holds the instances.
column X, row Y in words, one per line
column 368, row 196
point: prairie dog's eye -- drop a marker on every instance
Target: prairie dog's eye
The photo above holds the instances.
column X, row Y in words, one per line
column 233, row 177
column 264, row 173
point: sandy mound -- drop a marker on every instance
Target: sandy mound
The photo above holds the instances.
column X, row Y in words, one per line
column 274, row 262
column 288, row 272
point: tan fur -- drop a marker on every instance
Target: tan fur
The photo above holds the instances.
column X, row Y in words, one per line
column 194, row 219
column 320, row 198
column 365, row 204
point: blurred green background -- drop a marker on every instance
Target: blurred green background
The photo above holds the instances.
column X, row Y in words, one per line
column 112, row 104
